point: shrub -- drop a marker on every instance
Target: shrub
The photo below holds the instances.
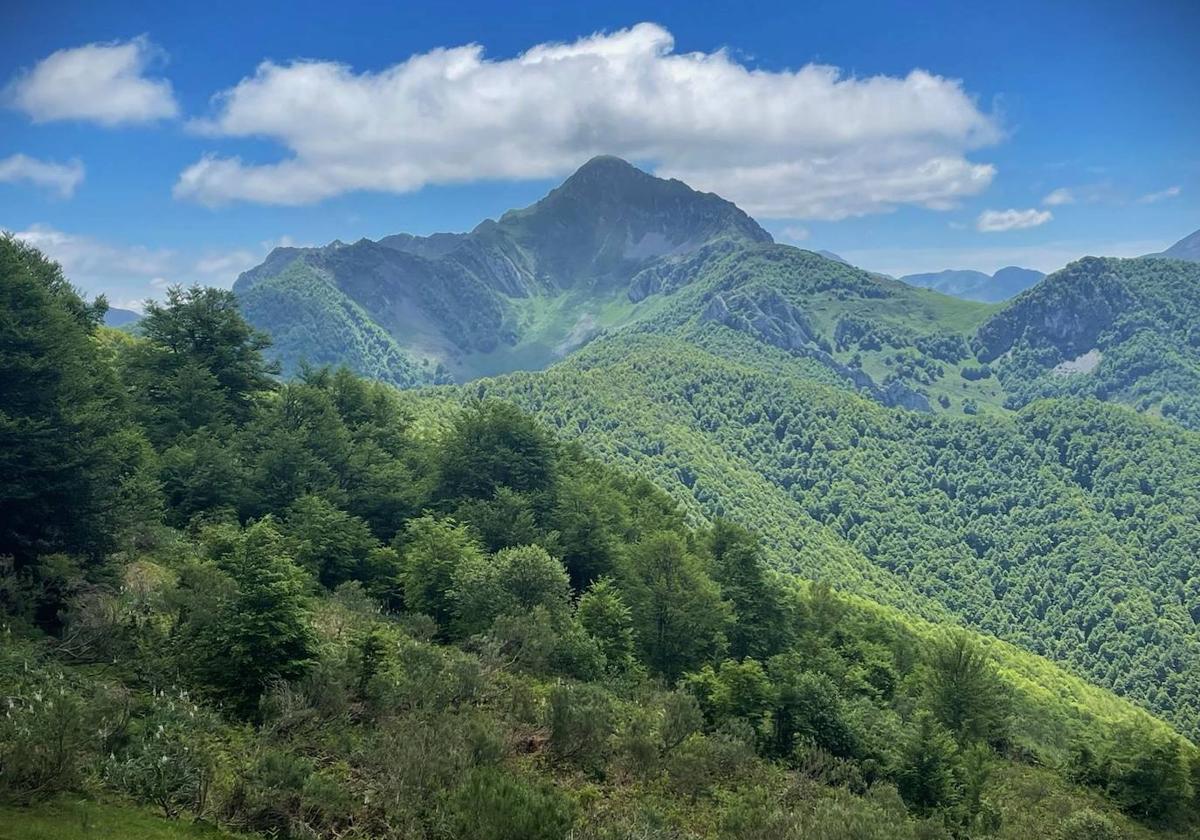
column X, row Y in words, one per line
column 170, row 757
column 493, row 805
column 1089, row 825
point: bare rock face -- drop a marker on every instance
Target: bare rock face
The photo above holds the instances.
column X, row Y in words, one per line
column 1068, row 315
column 767, row 316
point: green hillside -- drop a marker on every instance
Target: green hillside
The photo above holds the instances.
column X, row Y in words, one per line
column 326, row 608
column 1068, row 529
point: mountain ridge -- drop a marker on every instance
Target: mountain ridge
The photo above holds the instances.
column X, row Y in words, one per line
column 1005, row 283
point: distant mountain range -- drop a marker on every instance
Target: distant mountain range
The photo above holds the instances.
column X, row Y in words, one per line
column 518, row 292
column 1187, row 248
column 115, row 317
column 975, row 285
column 615, row 252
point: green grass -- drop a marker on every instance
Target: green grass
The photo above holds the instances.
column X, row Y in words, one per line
column 69, row 818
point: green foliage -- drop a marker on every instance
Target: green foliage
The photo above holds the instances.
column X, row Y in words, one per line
column 492, row 447
column 660, row 680
column 965, row 692
column 1088, row 825
column 678, row 614
column 200, row 365
column 258, row 631
column 433, row 551
column 47, row 729
column 1063, row 530
column 928, row 766
column 493, row 805
column 513, row 582
column 67, row 454
column 605, row 617
column 169, row 756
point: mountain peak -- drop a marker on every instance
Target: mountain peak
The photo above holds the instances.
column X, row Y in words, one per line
column 609, row 165
column 1187, row 248
column 606, row 177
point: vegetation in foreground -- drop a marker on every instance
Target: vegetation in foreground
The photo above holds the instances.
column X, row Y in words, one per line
column 306, row 610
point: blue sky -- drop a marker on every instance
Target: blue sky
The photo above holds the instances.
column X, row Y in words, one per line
column 148, row 143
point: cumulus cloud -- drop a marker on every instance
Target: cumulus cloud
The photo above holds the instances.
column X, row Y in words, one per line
column 60, row 178
column 127, row 274
column 1161, row 195
column 810, row 143
column 1058, row 197
column 103, row 83
column 794, row 233
column 998, row 221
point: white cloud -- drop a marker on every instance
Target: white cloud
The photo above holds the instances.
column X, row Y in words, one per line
column 132, row 273
column 794, row 233
column 997, row 221
column 1059, row 197
column 61, row 178
column 1161, row 195
column 104, row 83
column 811, row 143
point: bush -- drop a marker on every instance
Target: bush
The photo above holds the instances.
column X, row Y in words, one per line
column 493, row 805
column 1089, row 825
column 48, row 733
column 581, row 722
column 170, row 758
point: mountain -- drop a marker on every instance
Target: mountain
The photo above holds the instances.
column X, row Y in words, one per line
column 120, row 317
column 514, row 293
column 829, row 255
column 975, row 285
column 1065, row 528
column 614, row 249
column 1187, row 248
column 1120, row 330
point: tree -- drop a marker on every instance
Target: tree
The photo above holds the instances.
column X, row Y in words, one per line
column 200, row 365
column 965, row 692
column 331, row 544
column 513, row 582
column 928, row 764
column 493, row 805
column 494, row 445
column 678, row 614
column 808, row 708
column 607, row 619
column 761, row 628
column 66, row 447
column 1148, row 773
column 260, row 630
column 733, row 690
column 432, row 551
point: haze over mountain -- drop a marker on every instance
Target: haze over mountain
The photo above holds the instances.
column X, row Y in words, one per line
column 517, row 292
column 116, row 317
column 975, row 285
column 615, row 249
column 1187, row 248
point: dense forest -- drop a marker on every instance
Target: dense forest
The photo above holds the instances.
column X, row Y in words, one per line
column 324, row 608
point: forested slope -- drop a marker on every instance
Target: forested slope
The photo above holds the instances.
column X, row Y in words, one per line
column 1069, row 528
column 1120, row 330
column 323, row 608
